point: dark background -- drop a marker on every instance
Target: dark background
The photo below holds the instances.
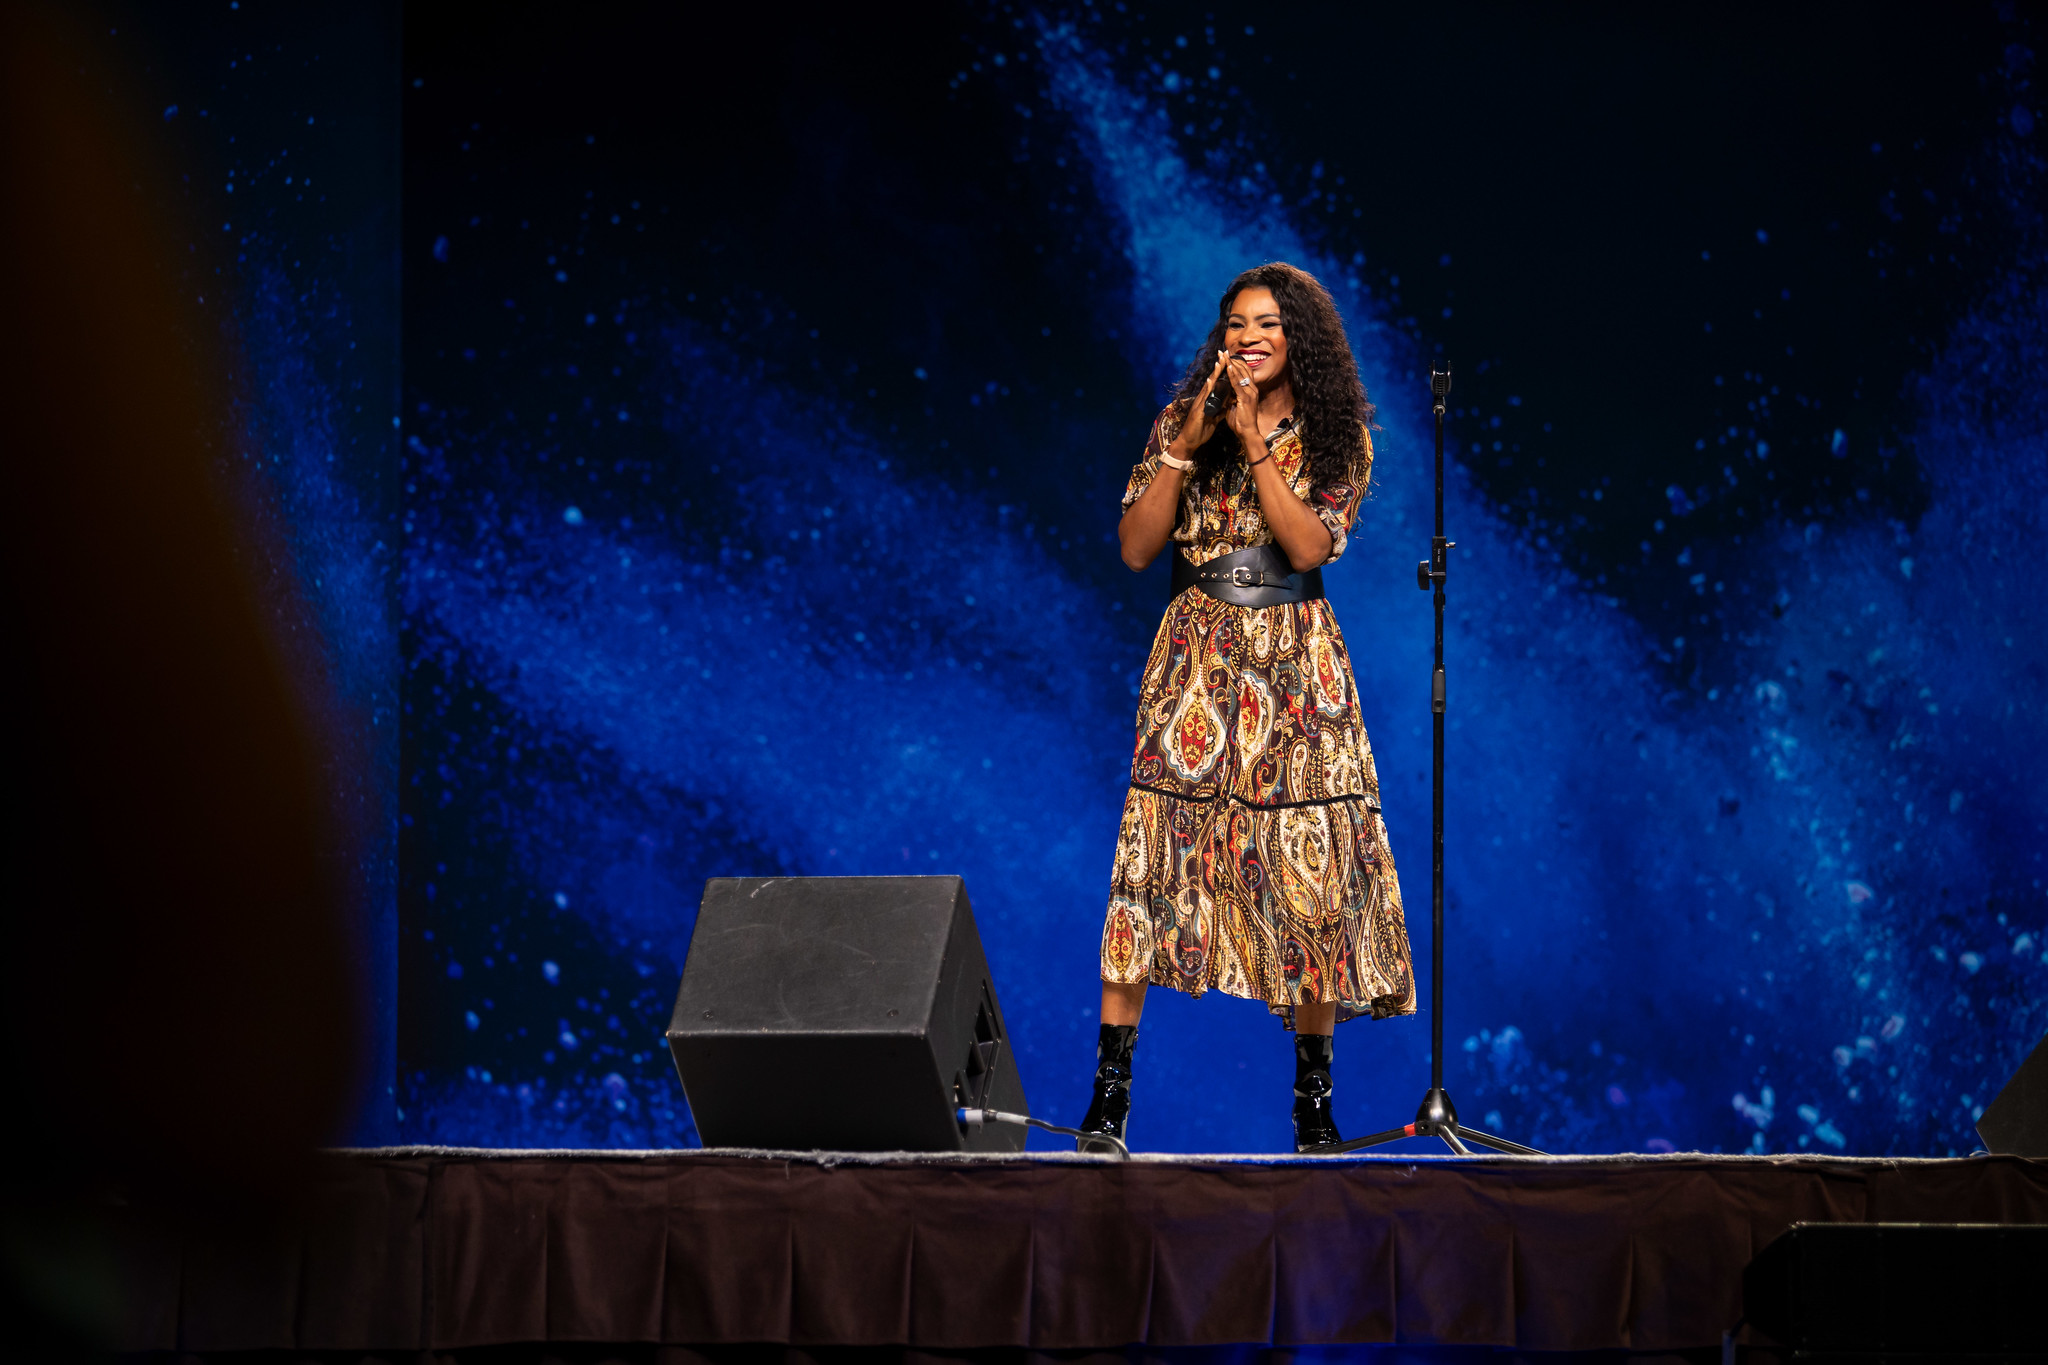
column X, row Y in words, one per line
column 1597, row 177
column 1701, row 277
column 266, row 147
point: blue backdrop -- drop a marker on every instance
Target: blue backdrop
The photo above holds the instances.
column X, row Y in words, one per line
column 764, row 426
column 760, row 521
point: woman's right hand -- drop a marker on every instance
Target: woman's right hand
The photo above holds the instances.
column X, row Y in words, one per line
column 1197, row 427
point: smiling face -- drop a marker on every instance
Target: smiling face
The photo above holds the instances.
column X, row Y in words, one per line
column 1252, row 333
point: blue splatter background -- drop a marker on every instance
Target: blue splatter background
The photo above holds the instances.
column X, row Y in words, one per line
column 763, row 429
column 764, row 525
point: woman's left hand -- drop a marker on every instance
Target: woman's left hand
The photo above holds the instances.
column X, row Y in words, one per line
column 1298, row 530
column 1243, row 416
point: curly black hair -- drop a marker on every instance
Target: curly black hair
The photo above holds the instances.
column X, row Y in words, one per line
column 1329, row 401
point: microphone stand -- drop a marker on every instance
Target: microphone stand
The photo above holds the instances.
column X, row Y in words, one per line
column 1437, row 1117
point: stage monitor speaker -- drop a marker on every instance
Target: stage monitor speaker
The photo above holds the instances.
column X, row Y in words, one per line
column 2015, row 1123
column 850, row 1014
column 1934, row 1291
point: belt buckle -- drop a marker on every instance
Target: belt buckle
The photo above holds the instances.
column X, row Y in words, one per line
column 1241, row 576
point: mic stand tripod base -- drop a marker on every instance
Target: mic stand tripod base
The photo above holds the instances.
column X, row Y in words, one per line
column 1437, row 1118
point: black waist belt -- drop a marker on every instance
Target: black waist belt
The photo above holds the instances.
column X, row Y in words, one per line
column 1258, row 577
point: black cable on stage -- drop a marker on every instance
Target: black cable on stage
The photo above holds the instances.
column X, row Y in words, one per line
column 974, row 1118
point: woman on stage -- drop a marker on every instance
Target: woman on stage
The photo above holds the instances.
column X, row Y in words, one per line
column 1252, row 856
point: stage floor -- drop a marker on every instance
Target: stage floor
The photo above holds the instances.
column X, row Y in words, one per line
column 452, row 1249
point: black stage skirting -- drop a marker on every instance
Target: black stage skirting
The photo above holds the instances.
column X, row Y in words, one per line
column 409, row 1250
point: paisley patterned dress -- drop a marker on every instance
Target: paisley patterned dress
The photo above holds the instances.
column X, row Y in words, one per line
column 1252, row 856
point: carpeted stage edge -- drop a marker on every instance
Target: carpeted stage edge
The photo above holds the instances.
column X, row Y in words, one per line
column 631, row 1255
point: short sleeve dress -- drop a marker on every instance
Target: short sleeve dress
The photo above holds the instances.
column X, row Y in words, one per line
column 1252, row 856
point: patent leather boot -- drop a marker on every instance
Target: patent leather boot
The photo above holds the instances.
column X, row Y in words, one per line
column 1315, row 1121
column 1111, row 1104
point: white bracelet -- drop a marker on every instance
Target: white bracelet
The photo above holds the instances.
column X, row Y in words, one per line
column 1171, row 463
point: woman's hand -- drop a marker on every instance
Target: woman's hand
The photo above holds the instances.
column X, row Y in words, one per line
column 1197, row 427
column 1243, row 416
column 1297, row 530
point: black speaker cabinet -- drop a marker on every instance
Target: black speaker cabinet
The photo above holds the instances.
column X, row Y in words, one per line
column 850, row 1014
column 2015, row 1123
column 1918, row 1291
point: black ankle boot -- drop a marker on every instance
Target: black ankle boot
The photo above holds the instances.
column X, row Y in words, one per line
column 1315, row 1123
column 1111, row 1105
